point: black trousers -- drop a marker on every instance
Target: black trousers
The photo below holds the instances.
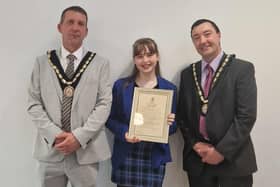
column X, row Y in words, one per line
column 216, row 181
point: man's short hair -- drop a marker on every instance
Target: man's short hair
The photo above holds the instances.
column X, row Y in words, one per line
column 75, row 9
column 200, row 21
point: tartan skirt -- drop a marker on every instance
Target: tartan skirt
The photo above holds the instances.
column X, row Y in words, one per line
column 137, row 170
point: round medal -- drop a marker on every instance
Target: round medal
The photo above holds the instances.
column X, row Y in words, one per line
column 204, row 108
column 68, row 91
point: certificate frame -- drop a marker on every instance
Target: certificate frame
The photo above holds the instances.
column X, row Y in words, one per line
column 148, row 120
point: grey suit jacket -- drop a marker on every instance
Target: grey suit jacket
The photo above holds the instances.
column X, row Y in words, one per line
column 230, row 119
column 90, row 109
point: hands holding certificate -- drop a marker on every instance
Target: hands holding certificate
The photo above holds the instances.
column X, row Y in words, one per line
column 170, row 118
column 131, row 139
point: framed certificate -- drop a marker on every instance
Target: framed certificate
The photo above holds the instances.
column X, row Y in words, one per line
column 150, row 109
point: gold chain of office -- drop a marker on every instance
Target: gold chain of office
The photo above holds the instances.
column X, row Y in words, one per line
column 204, row 107
column 69, row 90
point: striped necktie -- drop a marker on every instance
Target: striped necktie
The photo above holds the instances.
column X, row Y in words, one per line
column 67, row 101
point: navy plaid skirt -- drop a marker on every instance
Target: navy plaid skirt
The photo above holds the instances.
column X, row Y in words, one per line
column 137, row 169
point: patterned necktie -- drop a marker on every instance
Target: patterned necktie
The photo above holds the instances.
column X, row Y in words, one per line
column 67, row 101
column 206, row 89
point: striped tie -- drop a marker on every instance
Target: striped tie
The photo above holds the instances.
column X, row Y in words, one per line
column 67, row 101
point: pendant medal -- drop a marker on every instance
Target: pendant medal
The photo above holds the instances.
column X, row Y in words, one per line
column 204, row 108
column 68, row 91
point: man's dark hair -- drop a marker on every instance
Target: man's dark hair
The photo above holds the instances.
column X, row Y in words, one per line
column 75, row 9
column 200, row 21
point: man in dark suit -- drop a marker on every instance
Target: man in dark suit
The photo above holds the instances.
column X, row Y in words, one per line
column 216, row 112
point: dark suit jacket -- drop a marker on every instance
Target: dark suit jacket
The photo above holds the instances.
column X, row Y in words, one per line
column 230, row 119
column 118, row 122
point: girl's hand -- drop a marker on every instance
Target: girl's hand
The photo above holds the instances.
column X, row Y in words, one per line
column 170, row 118
column 131, row 139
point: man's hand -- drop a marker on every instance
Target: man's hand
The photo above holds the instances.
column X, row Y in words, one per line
column 201, row 148
column 131, row 139
column 66, row 143
column 58, row 140
column 213, row 157
column 208, row 153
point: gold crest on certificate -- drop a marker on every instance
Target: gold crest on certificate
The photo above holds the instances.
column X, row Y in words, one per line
column 150, row 109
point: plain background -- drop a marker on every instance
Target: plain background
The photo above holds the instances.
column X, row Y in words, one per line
column 249, row 29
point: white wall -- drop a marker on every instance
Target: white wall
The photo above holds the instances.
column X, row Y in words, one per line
column 249, row 28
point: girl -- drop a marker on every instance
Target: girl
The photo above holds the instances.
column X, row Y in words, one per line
column 138, row 163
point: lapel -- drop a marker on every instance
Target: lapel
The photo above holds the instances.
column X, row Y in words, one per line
column 128, row 97
column 82, row 82
column 56, row 81
column 222, row 76
column 161, row 83
column 197, row 99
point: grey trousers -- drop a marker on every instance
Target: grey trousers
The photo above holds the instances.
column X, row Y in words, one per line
column 69, row 170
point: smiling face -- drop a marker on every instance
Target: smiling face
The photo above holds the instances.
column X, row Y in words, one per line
column 146, row 61
column 145, row 57
column 206, row 41
column 73, row 28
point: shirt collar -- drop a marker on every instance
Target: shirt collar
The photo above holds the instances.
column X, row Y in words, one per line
column 214, row 63
column 78, row 53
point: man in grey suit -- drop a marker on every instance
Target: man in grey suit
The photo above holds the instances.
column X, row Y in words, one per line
column 216, row 112
column 69, row 102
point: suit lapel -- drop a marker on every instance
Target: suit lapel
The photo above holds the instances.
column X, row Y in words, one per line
column 219, row 81
column 128, row 98
column 82, row 83
column 197, row 101
column 55, row 81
